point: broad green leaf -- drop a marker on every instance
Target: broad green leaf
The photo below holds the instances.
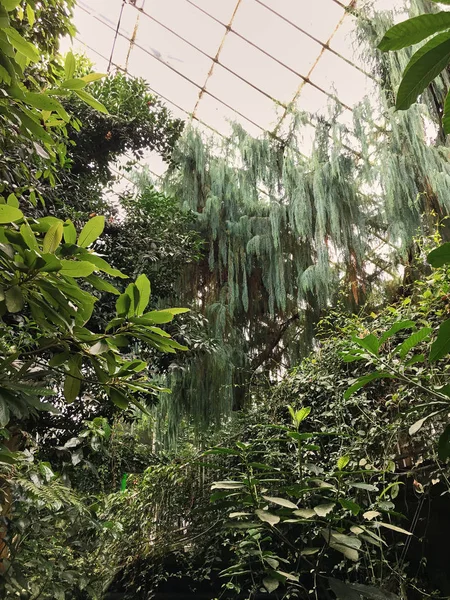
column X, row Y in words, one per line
column 364, row 380
column 413, row 31
column 301, row 414
column 69, row 65
column 446, row 115
column 118, row 398
column 157, row 317
column 123, row 305
column 14, row 299
column 52, row 238
column 45, row 103
column 227, row 485
column 10, row 214
column 102, row 265
column 72, row 382
column 322, row 510
column 418, row 424
column 10, row 5
column 86, row 97
column 143, row 285
column 12, row 201
column 91, row 231
column 76, row 268
column 21, row 44
column 424, row 66
column 343, row 462
column 270, row 584
column 441, row 346
column 440, row 256
column 305, row 513
column 101, row 285
column 69, row 232
column 93, row 77
column 396, row 327
column 444, row 444
column 393, row 527
column 27, row 233
column 280, row 502
column 30, row 15
column 414, row 340
column 372, row 593
column 369, row 343
column 73, row 84
column 350, row 505
column 288, row 576
column 267, row 517
column 343, row 591
column 371, row 514
column 365, row 486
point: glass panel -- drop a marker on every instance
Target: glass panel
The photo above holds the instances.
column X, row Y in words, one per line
column 162, row 80
column 187, row 21
column 319, row 17
column 275, row 36
column 258, row 69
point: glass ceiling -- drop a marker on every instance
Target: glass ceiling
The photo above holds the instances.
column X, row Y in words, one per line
column 217, row 61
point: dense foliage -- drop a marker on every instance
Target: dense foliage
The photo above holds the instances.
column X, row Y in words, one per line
column 303, row 450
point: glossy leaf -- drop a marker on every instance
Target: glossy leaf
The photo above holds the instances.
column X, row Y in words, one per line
column 413, row 31
column 444, row 444
column 364, row 380
column 267, row 517
column 440, row 256
column 69, row 65
column 441, row 346
column 76, row 268
column 52, row 238
column 414, row 340
column 280, row 501
column 424, row 66
column 143, row 285
column 91, row 231
column 86, row 97
column 10, row 214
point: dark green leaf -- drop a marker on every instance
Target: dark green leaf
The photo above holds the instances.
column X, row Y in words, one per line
column 86, row 97
column 444, row 444
column 364, row 380
column 72, row 382
column 396, row 327
column 441, row 346
column 440, row 256
column 413, row 340
column 414, row 30
column 14, row 299
column 369, row 343
column 424, row 66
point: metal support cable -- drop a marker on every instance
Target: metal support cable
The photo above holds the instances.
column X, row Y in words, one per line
column 191, row 115
column 169, row 66
column 316, row 62
column 278, row 61
column 216, row 58
column 119, row 20
column 325, row 45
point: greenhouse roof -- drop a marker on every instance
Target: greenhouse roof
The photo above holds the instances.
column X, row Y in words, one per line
column 217, row 61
